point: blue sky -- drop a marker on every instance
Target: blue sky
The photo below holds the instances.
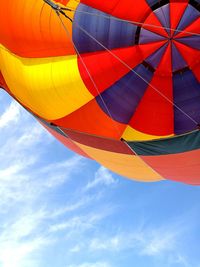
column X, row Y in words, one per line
column 61, row 210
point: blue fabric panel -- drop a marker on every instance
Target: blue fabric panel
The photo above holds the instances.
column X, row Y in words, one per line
column 192, row 41
column 164, row 16
column 189, row 16
column 123, row 97
column 156, row 57
column 187, row 98
column 149, row 37
column 173, row 145
column 178, row 62
column 152, row 2
column 109, row 31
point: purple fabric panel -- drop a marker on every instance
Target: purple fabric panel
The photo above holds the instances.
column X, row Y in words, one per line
column 156, row 57
column 177, row 60
column 192, row 41
column 123, row 97
column 152, row 2
column 187, row 98
column 110, row 32
column 189, row 16
column 164, row 16
column 149, row 37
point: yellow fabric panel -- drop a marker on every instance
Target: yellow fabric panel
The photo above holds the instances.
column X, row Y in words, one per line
column 126, row 165
column 50, row 87
column 131, row 134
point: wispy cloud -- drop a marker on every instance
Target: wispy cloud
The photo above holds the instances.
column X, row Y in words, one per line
column 59, row 172
column 11, row 115
column 79, row 223
column 75, row 205
column 42, row 207
column 20, row 239
column 24, row 182
column 179, row 259
column 30, row 220
column 92, row 264
column 102, row 177
column 145, row 240
column 157, row 242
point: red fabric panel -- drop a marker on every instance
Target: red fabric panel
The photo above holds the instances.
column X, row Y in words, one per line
column 65, row 141
column 155, row 115
column 182, row 167
column 91, row 119
column 63, row 2
column 106, row 6
column 196, row 71
column 105, row 69
column 157, row 26
column 32, row 29
column 99, row 142
column 177, row 10
column 135, row 10
column 3, row 83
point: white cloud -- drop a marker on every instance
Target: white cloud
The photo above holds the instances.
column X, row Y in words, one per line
column 74, row 206
column 76, row 248
column 179, row 259
column 102, row 177
column 19, row 239
column 113, row 243
column 25, row 182
column 161, row 240
column 17, row 254
column 59, row 172
column 79, row 224
column 92, row 264
column 145, row 240
column 11, row 115
column 31, row 219
column 34, row 217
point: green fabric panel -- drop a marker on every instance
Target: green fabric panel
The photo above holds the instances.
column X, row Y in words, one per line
column 173, row 145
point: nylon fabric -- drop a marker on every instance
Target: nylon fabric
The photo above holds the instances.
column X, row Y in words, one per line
column 127, row 165
column 174, row 145
column 50, row 87
column 116, row 81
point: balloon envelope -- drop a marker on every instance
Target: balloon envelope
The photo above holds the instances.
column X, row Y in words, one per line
column 115, row 81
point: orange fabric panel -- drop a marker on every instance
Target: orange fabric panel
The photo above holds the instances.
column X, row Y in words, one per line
column 42, row 36
column 127, row 165
column 91, row 119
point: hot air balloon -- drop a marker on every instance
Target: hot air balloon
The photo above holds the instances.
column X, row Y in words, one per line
column 116, row 81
